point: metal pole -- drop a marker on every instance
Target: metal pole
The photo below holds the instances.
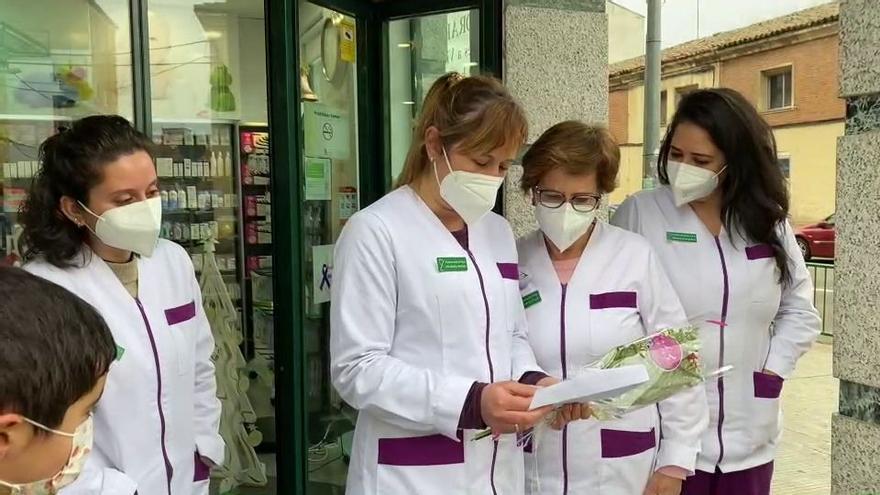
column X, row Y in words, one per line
column 140, row 63
column 652, row 96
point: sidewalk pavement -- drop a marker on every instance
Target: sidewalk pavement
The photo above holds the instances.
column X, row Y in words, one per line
column 803, row 464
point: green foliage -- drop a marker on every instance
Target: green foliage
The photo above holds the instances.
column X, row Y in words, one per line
column 662, row 383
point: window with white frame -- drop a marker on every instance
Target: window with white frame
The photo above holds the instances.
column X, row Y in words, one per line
column 777, row 88
column 785, row 164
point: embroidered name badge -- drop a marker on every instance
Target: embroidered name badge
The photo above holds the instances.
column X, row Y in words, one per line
column 681, row 237
column 531, row 299
column 119, row 352
column 452, row 265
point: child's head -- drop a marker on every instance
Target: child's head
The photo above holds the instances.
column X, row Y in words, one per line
column 55, row 351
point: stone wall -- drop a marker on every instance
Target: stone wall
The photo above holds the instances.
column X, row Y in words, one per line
column 856, row 429
column 556, row 64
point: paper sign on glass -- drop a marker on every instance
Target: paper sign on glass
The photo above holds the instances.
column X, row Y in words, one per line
column 317, row 183
column 591, row 385
column 326, row 131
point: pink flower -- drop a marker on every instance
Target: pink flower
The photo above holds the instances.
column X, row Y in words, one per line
column 666, row 352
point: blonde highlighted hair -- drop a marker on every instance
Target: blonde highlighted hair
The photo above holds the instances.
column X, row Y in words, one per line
column 474, row 114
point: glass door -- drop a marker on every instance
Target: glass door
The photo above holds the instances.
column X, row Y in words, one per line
column 330, row 178
column 209, row 106
column 337, row 128
column 420, row 50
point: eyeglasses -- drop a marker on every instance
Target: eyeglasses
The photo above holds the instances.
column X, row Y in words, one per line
column 582, row 202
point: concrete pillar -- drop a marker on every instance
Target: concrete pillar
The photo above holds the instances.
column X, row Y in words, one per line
column 856, row 429
column 556, row 64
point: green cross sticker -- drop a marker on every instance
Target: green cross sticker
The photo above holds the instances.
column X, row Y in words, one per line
column 681, row 237
column 452, row 264
column 530, row 300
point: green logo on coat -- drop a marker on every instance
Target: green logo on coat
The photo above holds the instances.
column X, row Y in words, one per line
column 681, row 237
column 452, row 265
column 530, row 300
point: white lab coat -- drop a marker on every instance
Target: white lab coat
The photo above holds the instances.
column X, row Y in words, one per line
column 408, row 339
column 730, row 288
column 617, row 294
column 159, row 406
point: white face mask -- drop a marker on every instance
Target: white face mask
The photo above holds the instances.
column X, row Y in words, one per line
column 81, row 447
column 690, row 183
column 133, row 227
column 564, row 225
column 470, row 194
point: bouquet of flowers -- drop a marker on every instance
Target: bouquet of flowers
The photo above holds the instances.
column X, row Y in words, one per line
column 672, row 360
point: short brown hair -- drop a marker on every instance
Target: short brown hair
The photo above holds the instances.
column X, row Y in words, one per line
column 475, row 113
column 578, row 148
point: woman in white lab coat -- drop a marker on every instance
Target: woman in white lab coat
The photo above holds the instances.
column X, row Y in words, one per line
column 719, row 225
column 91, row 224
column 428, row 337
column 589, row 287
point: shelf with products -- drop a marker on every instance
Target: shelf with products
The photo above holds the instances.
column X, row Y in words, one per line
column 254, row 175
column 20, row 139
column 195, row 164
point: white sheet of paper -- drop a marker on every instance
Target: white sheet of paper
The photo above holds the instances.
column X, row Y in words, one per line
column 591, row 385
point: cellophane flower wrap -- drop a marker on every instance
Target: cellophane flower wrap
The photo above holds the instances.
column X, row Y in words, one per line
column 672, row 359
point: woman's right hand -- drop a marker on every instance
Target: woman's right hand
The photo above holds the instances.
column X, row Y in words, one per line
column 505, row 407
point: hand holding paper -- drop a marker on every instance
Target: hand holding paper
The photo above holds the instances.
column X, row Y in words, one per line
column 629, row 377
column 506, row 407
column 502, row 401
column 567, row 413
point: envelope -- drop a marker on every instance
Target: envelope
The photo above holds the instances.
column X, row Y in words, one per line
column 591, row 385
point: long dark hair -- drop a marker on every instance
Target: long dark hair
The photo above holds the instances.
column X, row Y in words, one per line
column 72, row 163
column 754, row 193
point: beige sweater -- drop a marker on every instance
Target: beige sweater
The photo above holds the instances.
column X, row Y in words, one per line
column 127, row 273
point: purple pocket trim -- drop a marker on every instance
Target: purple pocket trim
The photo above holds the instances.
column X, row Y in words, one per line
column 610, row 300
column 181, row 314
column 509, row 271
column 433, row 450
column 760, row 252
column 767, row 386
column 202, row 470
column 619, row 443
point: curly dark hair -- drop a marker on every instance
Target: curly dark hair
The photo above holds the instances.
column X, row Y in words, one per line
column 72, row 164
column 755, row 198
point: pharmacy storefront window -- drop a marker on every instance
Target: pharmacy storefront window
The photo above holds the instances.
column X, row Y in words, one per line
column 208, row 102
column 56, row 64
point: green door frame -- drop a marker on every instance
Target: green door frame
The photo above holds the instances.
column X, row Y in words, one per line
column 282, row 19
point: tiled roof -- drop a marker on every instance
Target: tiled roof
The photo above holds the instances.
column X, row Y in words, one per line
column 816, row 16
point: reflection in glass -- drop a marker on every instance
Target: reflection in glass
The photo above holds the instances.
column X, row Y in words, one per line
column 420, row 50
column 56, row 64
column 209, row 108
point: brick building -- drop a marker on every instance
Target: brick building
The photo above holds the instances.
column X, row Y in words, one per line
column 787, row 67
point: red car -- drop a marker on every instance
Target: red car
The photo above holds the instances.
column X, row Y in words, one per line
column 817, row 240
